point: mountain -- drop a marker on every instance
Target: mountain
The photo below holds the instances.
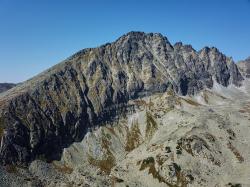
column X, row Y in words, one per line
column 244, row 67
column 6, row 86
column 57, row 107
column 102, row 106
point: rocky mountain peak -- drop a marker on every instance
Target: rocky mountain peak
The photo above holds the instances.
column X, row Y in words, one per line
column 56, row 108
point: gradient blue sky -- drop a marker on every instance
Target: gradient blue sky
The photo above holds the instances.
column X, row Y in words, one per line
column 36, row 34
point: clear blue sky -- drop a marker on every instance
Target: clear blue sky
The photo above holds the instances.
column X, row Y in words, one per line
column 36, row 34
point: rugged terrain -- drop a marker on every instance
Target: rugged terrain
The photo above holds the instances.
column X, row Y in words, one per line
column 244, row 67
column 135, row 112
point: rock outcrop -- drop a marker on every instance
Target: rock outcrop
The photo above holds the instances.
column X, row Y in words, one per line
column 244, row 67
column 47, row 113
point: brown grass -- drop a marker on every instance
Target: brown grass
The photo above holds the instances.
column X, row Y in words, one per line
column 133, row 137
column 63, row 168
column 191, row 102
column 235, row 152
column 140, row 103
column 104, row 165
column 151, row 126
column 107, row 163
column 112, row 130
column 150, row 164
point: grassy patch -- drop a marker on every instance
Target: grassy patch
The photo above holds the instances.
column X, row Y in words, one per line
column 112, row 130
column 151, row 126
column 63, row 168
column 191, row 102
column 104, row 165
column 133, row 137
column 107, row 163
column 150, row 164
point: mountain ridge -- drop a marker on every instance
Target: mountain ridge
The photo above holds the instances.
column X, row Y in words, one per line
column 6, row 86
column 49, row 112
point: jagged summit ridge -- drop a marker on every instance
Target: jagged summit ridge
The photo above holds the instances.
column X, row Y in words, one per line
column 47, row 113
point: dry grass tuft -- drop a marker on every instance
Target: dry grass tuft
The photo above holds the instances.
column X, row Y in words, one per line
column 235, row 152
column 133, row 137
column 108, row 162
column 191, row 102
column 104, row 165
column 63, row 168
column 151, row 126
column 150, row 164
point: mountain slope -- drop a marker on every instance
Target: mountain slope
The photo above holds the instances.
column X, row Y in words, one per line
column 244, row 67
column 56, row 108
column 6, row 86
column 167, row 140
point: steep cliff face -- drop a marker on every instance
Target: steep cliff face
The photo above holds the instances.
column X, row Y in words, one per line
column 56, row 108
column 244, row 67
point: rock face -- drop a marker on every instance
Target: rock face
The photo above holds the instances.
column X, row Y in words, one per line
column 56, row 108
column 6, row 86
column 244, row 67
